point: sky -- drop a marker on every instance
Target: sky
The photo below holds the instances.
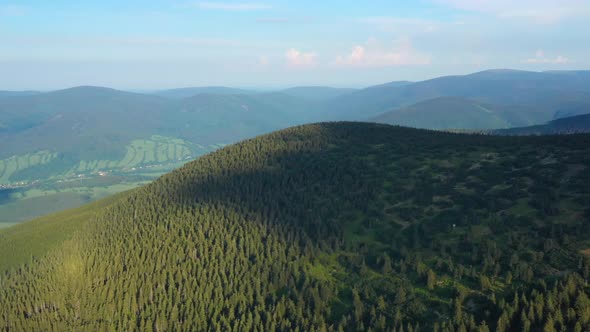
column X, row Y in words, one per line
column 159, row 44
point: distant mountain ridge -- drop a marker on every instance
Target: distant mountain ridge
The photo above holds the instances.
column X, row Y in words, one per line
column 317, row 92
column 181, row 93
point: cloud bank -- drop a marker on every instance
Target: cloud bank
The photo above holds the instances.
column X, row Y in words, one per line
column 296, row 58
column 541, row 58
column 373, row 54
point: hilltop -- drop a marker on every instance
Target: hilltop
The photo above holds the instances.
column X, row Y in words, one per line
column 334, row 226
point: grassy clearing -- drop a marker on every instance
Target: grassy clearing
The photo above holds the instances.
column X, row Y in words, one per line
column 156, row 151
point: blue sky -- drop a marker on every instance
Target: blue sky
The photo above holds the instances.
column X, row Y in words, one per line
column 275, row 43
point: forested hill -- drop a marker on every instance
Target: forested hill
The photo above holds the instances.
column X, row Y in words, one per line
column 336, row 226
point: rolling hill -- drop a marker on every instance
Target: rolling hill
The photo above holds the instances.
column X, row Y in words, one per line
column 460, row 113
column 334, row 226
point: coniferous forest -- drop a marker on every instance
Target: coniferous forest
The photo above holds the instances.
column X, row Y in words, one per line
column 323, row 227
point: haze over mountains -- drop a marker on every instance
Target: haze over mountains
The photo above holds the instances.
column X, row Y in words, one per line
column 485, row 100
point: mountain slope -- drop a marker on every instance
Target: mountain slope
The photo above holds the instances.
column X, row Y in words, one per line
column 333, row 226
column 77, row 119
column 316, row 92
column 229, row 118
column 454, row 112
column 570, row 125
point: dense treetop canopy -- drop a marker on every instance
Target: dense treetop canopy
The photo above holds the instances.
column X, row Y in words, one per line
column 331, row 226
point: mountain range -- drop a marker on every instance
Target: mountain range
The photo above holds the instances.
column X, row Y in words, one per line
column 485, row 100
column 58, row 137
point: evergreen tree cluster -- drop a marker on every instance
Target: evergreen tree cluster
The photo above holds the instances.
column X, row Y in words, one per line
column 330, row 227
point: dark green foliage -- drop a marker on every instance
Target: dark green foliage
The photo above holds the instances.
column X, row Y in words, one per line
column 338, row 226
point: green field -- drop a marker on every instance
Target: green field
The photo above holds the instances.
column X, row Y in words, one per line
column 15, row 163
column 156, row 152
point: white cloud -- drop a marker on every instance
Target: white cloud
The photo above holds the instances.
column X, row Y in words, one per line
column 541, row 58
column 373, row 54
column 539, row 11
column 297, row 58
column 233, row 6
